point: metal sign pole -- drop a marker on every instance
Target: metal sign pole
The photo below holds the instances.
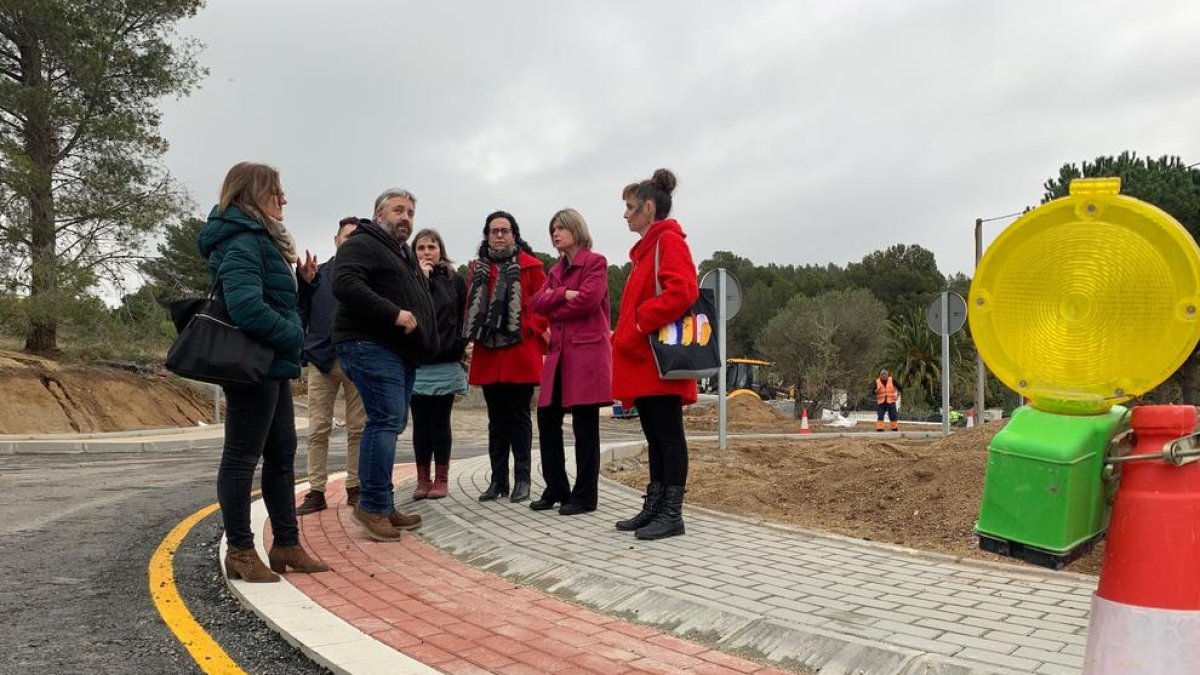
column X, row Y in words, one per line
column 722, row 411
column 945, row 364
column 216, row 404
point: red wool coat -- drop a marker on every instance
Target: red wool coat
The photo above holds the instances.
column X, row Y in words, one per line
column 520, row 363
column 642, row 313
column 579, row 342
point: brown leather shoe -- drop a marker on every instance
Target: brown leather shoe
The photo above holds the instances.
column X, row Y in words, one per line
column 403, row 522
column 352, row 496
column 313, row 501
column 244, row 563
column 377, row 525
column 295, row 557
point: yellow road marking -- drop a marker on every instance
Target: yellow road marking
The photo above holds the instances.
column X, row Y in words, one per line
column 206, row 652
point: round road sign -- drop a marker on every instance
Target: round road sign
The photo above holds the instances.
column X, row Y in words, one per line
column 956, row 318
column 733, row 291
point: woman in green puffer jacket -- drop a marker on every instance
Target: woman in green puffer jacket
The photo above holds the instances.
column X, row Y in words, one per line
column 253, row 261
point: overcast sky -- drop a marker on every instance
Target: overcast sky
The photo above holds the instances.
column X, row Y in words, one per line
column 800, row 131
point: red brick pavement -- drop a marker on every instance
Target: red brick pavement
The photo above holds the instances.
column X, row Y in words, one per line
column 457, row 619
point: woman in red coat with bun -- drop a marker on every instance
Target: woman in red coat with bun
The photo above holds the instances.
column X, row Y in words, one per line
column 661, row 253
column 509, row 341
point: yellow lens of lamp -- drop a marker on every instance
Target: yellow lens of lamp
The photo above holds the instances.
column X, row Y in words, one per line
column 1088, row 300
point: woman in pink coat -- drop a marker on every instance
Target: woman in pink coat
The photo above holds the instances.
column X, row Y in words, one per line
column 577, row 374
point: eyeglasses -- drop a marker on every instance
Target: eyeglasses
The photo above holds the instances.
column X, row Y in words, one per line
column 500, row 233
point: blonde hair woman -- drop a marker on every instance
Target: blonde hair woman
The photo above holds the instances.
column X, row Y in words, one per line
column 577, row 374
column 250, row 258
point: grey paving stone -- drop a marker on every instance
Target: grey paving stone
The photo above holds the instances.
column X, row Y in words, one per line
column 993, row 659
column 1050, row 656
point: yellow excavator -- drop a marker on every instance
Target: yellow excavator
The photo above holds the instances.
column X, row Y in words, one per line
column 746, row 377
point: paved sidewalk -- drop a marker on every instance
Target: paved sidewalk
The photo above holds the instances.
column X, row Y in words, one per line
column 406, row 607
column 799, row 600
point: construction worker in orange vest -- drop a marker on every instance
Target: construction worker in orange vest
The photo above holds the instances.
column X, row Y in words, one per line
column 887, row 392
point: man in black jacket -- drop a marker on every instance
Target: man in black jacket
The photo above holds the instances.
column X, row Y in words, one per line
column 325, row 378
column 384, row 328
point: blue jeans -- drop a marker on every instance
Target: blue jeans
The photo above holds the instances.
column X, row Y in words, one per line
column 385, row 383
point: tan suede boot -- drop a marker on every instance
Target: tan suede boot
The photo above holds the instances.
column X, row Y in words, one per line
column 295, row 557
column 403, row 522
column 244, row 563
column 377, row 525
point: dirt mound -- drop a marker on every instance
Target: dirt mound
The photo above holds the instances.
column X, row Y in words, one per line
column 45, row 398
column 745, row 413
column 919, row 493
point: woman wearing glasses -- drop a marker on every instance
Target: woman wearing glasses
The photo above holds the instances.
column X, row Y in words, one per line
column 254, row 260
column 508, row 340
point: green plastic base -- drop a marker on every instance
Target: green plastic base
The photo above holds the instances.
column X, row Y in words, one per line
column 1044, row 490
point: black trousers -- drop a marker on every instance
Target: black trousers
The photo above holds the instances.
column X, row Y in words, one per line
column 431, row 428
column 662, row 423
column 259, row 422
column 510, row 427
column 585, row 424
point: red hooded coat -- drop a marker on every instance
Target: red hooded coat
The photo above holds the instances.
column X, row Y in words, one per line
column 643, row 312
column 520, row 363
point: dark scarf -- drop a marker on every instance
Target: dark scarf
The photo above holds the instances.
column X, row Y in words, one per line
column 494, row 320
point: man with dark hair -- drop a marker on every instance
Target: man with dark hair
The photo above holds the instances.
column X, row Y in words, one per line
column 325, row 378
column 383, row 330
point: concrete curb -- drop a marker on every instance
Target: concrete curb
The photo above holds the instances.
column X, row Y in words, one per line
column 143, row 440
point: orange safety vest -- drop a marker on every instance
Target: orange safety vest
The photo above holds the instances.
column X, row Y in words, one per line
column 885, row 392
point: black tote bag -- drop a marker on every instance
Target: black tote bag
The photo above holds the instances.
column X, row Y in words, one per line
column 210, row 348
column 687, row 348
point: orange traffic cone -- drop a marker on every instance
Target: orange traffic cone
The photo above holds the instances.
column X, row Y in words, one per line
column 1146, row 611
column 970, row 417
column 804, row 421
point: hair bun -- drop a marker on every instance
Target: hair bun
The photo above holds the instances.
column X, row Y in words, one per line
column 664, row 180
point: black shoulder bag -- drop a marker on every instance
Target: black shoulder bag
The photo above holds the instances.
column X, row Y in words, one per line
column 210, row 348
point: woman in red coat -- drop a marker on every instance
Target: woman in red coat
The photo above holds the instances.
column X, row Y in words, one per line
column 509, row 340
column 577, row 375
column 661, row 253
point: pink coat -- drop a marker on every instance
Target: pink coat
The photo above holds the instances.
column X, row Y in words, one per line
column 579, row 331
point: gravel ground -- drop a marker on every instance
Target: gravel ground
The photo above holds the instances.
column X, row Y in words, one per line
column 255, row 646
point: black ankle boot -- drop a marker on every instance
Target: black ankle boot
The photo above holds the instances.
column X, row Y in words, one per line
column 494, row 490
column 520, row 491
column 650, row 504
column 668, row 522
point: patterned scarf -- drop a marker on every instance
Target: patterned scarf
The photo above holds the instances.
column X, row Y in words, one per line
column 494, row 320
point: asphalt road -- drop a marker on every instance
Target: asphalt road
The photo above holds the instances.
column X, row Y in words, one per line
column 76, row 536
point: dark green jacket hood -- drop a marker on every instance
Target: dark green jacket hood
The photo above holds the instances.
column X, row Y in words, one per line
column 223, row 225
column 256, row 284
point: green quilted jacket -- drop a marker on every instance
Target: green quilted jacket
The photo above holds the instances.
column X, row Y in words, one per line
column 256, row 284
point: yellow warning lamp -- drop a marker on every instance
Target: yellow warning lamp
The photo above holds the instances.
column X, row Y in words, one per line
column 1088, row 300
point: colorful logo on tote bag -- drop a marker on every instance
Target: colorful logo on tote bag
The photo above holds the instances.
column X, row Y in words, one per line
column 693, row 329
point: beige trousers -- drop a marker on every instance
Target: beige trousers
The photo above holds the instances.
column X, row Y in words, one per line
column 322, row 394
